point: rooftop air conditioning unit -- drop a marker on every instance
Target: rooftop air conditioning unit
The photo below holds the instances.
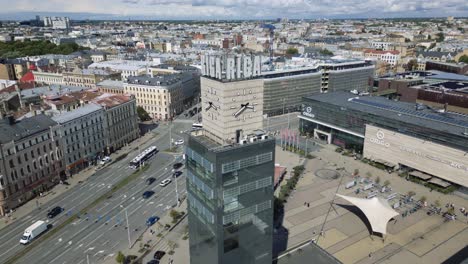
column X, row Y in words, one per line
column 263, row 137
column 243, row 141
column 252, row 139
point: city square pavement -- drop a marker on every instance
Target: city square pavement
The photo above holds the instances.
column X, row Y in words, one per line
column 417, row 238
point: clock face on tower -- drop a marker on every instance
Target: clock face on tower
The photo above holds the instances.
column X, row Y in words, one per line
column 242, row 108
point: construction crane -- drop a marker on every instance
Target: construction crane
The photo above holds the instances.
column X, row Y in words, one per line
column 271, row 30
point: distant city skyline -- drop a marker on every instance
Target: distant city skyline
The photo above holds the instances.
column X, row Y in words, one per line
column 231, row 9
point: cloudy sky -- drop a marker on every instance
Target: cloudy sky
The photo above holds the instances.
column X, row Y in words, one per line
column 243, row 9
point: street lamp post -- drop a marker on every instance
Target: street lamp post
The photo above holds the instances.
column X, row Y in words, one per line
column 176, row 190
column 128, row 227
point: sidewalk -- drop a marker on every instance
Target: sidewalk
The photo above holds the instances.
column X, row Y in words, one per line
column 73, row 181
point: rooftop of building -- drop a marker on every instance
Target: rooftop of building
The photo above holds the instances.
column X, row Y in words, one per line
column 159, row 80
column 410, row 113
column 23, row 128
column 203, row 137
column 116, row 84
column 77, row 113
column 50, row 90
column 111, row 100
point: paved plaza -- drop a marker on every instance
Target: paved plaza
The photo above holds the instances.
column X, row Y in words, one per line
column 416, row 238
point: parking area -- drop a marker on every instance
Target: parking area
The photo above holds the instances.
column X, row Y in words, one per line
column 419, row 234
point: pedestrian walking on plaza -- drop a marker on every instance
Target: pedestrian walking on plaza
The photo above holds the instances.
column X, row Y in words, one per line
column 370, row 255
column 308, row 204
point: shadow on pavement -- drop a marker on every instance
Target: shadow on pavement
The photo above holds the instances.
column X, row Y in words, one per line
column 353, row 209
column 280, row 234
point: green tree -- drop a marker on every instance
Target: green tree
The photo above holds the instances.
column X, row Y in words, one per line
column 440, row 37
column 377, row 180
column 386, row 183
column 120, row 258
column 142, row 114
column 326, row 52
column 463, row 58
column 292, row 51
column 412, row 65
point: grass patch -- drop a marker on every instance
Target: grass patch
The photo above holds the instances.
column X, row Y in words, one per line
column 72, row 218
column 121, row 157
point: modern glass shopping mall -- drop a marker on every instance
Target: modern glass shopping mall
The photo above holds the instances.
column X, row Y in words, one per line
column 401, row 133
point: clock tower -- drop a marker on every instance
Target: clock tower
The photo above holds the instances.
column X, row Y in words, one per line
column 230, row 167
column 229, row 106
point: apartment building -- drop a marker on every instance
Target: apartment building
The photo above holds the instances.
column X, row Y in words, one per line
column 88, row 77
column 82, row 133
column 121, row 120
column 391, row 57
column 161, row 96
column 31, row 159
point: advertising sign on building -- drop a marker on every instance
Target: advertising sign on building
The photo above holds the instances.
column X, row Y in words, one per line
column 432, row 158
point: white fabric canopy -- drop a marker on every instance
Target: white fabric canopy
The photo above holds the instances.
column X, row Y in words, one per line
column 377, row 210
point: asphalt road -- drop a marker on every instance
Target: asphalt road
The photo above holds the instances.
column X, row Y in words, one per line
column 93, row 237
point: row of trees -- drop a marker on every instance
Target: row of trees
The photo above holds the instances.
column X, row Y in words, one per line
column 17, row 49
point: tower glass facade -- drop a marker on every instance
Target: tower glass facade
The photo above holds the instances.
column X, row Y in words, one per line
column 230, row 201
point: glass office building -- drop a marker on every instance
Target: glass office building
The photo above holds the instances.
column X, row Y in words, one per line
column 341, row 118
column 230, row 201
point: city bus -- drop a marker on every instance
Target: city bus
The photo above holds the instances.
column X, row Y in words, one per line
column 196, row 126
column 143, row 156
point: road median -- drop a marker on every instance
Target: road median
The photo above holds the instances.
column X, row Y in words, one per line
column 72, row 218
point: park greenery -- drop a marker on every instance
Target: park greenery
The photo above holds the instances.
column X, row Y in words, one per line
column 17, row 49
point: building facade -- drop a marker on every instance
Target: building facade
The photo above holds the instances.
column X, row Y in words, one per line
column 31, row 159
column 223, row 100
column 82, row 132
column 230, row 201
column 413, row 136
column 88, row 77
column 48, row 78
column 161, row 96
column 121, row 120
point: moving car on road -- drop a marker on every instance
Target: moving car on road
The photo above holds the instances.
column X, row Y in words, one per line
column 152, row 220
column 177, row 165
column 147, row 194
column 179, row 142
column 177, row 174
column 158, row 255
column 54, row 212
column 165, row 182
column 150, row 180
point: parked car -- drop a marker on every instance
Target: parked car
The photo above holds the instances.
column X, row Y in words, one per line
column 147, row 194
column 159, row 254
column 177, row 165
column 150, row 180
column 165, row 182
column 54, row 212
column 177, row 173
column 152, row 220
column 179, row 142
column 153, row 261
column 105, row 160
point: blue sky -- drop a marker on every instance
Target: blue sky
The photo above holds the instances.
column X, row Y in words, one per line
column 250, row 9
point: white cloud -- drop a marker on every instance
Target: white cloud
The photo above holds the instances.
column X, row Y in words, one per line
column 245, row 8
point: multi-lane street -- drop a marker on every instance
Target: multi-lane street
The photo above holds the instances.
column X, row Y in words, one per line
column 96, row 235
